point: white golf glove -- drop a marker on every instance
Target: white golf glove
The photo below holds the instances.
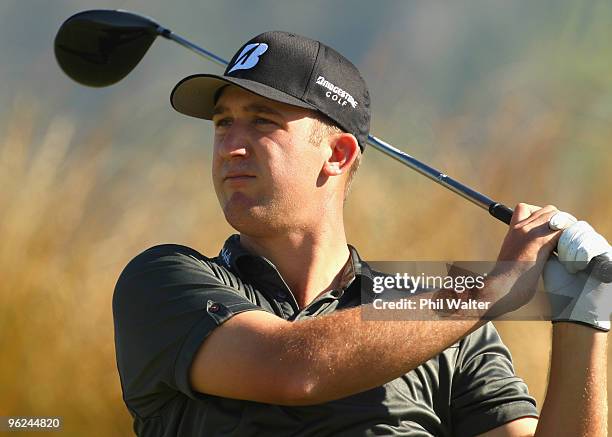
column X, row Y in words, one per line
column 579, row 242
column 577, row 297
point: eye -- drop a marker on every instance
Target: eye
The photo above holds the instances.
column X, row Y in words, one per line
column 263, row 121
column 222, row 122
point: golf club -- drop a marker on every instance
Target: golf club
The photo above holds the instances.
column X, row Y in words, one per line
column 100, row 47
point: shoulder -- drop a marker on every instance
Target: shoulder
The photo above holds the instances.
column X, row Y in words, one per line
column 167, row 262
column 484, row 341
column 163, row 255
column 485, row 337
column 167, row 300
column 486, row 392
column 163, row 271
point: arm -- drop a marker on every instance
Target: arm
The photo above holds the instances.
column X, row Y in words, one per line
column 260, row 357
column 576, row 400
column 524, row 427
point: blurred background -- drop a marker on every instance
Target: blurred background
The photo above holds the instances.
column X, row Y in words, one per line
column 512, row 98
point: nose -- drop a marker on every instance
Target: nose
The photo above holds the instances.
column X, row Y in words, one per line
column 233, row 142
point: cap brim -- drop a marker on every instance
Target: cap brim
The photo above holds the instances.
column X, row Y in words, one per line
column 195, row 95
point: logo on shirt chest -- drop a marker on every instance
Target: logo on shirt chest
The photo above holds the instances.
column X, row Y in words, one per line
column 226, row 257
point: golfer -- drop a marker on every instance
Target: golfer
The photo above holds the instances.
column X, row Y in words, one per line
column 267, row 338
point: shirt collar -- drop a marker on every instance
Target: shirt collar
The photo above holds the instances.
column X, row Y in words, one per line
column 260, row 270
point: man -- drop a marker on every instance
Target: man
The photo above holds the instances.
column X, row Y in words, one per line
column 268, row 339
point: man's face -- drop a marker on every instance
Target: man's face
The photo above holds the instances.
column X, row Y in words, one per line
column 265, row 171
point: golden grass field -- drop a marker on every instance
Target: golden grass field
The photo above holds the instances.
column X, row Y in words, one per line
column 71, row 221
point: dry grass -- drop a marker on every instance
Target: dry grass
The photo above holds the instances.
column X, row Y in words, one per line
column 71, row 219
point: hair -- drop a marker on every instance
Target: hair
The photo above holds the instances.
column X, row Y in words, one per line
column 324, row 127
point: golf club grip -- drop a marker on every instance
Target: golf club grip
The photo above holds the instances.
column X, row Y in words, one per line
column 600, row 266
column 501, row 212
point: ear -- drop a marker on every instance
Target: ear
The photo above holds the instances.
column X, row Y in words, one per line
column 344, row 149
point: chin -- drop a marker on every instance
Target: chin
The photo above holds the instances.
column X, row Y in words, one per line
column 243, row 216
column 248, row 223
column 253, row 220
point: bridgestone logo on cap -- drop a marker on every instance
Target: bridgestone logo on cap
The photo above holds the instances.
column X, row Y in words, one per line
column 249, row 57
column 340, row 96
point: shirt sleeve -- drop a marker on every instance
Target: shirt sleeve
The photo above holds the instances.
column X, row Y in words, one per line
column 166, row 302
column 486, row 393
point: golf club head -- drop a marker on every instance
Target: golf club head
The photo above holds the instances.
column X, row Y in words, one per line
column 100, row 47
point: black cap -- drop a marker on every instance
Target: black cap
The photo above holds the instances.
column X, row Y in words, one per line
column 291, row 69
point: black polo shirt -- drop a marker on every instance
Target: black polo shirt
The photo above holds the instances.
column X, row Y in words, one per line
column 170, row 298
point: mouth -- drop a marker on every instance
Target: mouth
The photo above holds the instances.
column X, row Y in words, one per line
column 238, row 177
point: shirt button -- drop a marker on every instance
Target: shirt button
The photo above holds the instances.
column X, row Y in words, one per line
column 214, row 308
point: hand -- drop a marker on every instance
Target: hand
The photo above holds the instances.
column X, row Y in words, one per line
column 526, row 247
column 529, row 236
column 577, row 297
column 579, row 242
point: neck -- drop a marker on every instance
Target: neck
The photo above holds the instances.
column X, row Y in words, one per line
column 310, row 262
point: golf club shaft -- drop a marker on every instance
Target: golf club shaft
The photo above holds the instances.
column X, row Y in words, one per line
column 497, row 210
column 601, row 265
column 167, row 33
